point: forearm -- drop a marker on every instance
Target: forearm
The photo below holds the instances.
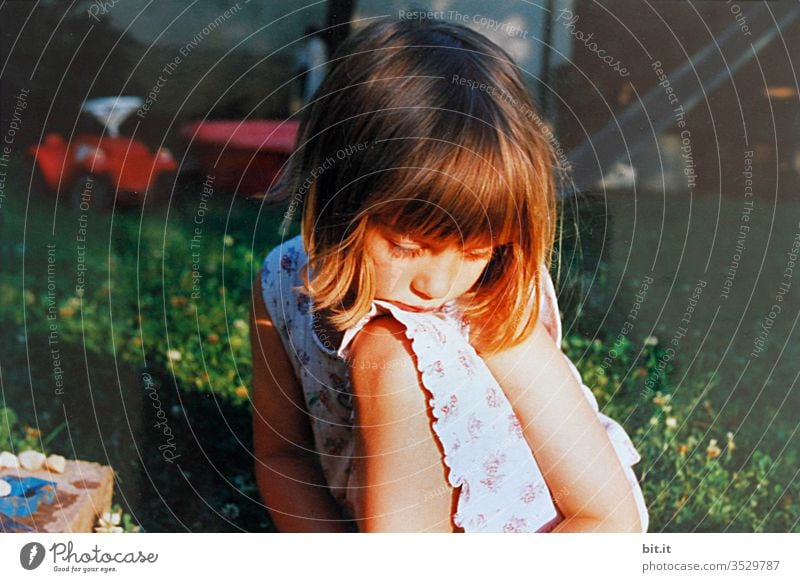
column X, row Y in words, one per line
column 578, row 524
column 293, row 489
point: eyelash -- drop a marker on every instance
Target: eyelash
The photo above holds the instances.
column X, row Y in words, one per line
column 478, row 256
column 402, row 252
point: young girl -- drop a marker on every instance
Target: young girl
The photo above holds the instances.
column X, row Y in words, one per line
column 407, row 369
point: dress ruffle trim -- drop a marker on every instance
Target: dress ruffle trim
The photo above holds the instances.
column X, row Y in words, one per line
column 475, row 424
column 485, row 452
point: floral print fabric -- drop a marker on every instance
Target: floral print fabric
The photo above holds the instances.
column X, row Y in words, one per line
column 501, row 486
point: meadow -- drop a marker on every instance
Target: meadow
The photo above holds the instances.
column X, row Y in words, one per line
column 127, row 343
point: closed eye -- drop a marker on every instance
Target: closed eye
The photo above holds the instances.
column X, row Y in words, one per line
column 479, row 254
column 403, row 252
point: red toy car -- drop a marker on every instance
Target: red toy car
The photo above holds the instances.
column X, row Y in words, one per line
column 243, row 156
column 91, row 170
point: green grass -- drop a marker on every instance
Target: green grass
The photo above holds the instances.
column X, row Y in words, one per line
column 144, row 311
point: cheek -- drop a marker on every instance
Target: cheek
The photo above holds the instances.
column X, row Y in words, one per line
column 389, row 273
column 472, row 275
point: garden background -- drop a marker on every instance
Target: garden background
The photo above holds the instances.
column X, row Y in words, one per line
column 149, row 370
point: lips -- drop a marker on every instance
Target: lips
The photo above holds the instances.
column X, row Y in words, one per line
column 413, row 308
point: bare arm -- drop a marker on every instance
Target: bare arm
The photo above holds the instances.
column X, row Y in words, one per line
column 287, row 468
column 570, row 444
column 399, row 468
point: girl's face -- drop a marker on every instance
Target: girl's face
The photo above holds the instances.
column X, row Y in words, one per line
column 420, row 276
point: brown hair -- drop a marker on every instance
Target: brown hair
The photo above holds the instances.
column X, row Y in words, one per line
column 426, row 126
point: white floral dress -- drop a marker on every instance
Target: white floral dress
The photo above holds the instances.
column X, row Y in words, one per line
column 487, row 456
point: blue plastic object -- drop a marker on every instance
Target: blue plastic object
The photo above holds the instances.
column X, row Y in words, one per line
column 8, row 525
column 26, row 495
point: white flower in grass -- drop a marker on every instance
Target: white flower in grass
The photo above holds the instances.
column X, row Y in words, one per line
column 651, row 341
column 174, row 355
column 109, row 522
column 228, row 240
column 662, row 399
column 671, row 422
column 731, row 444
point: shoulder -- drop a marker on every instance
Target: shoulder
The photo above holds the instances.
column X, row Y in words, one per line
column 261, row 284
column 383, row 369
column 540, row 383
column 537, row 360
column 288, row 256
column 381, row 333
column 381, row 350
column 281, row 272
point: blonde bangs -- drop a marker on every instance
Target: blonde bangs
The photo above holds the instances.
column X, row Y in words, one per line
column 408, row 147
column 465, row 193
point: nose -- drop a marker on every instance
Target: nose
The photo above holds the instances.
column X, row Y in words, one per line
column 436, row 277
